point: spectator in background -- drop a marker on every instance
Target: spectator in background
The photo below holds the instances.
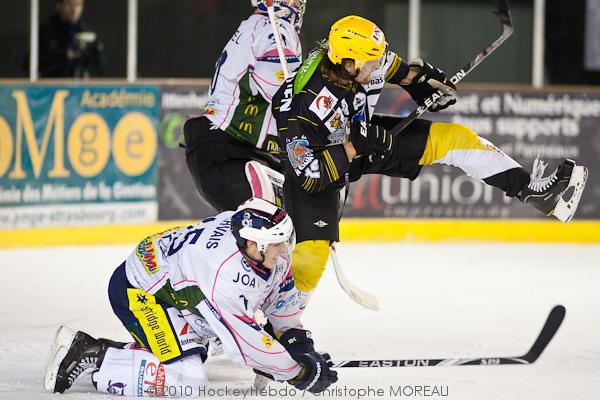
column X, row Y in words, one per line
column 68, row 47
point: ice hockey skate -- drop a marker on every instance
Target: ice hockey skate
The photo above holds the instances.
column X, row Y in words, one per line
column 557, row 194
column 73, row 354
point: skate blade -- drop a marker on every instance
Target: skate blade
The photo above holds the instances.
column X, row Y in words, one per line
column 62, row 342
column 565, row 209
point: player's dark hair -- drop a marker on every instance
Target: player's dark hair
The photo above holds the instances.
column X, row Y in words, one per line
column 328, row 66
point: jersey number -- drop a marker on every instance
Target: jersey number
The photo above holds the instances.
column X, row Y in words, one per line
column 175, row 247
column 218, row 65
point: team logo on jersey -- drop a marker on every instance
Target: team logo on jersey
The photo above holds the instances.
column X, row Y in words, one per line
column 323, row 103
column 299, row 154
column 377, row 35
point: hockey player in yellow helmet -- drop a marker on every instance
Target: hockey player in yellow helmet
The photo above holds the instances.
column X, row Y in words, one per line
column 357, row 39
column 331, row 137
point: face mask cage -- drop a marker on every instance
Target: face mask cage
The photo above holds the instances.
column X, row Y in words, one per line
column 294, row 15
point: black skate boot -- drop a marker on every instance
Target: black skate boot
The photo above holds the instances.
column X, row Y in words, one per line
column 559, row 193
column 74, row 354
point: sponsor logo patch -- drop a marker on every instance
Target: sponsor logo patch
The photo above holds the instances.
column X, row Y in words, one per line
column 359, row 101
column 280, row 76
column 313, row 170
column 209, row 111
column 323, row 103
column 336, row 124
column 117, row 388
column 267, row 342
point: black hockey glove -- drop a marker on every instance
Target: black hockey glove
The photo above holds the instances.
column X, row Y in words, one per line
column 316, row 374
column 429, row 80
column 369, row 139
column 297, row 342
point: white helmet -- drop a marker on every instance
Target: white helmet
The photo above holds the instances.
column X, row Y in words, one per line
column 262, row 222
column 290, row 10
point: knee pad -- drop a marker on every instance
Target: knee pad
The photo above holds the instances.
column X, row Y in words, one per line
column 308, row 263
column 265, row 182
column 445, row 137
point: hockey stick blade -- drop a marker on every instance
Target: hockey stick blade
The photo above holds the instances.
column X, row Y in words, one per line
column 555, row 319
column 503, row 13
column 361, row 297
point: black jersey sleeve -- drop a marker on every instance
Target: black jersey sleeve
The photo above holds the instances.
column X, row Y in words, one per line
column 396, row 68
column 315, row 163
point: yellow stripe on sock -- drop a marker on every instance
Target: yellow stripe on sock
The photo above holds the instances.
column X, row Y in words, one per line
column 444, row 137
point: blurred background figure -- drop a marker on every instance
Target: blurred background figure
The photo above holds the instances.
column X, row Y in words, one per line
column 68, row 47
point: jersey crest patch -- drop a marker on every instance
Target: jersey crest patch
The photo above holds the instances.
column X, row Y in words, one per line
column 323, row 103
column 299, row 154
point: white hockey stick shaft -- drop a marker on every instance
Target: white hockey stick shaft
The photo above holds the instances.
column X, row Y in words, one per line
column 363, row 298
column 277, row 35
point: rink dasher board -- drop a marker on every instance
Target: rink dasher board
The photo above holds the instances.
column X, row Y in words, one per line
column 351, row 230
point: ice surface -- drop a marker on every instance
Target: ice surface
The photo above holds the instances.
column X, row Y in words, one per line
column 437, row 301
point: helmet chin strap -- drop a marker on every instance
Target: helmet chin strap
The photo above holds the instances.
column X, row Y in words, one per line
column 258, row 263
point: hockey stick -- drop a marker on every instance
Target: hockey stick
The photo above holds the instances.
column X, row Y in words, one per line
column 277, row 36
column 555, row 319
column 360, row 296
column 363, row 298
column 503, row 12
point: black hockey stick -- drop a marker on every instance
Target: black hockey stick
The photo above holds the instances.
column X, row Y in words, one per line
column 552, row 324
column 503, row 12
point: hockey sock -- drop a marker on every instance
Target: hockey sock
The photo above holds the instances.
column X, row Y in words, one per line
column 136, row 372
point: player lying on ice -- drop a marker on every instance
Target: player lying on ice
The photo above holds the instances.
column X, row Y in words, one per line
column 331, row 136
column 185, row 285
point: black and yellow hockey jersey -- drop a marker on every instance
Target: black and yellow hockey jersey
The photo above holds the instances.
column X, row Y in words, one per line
column 314, row 114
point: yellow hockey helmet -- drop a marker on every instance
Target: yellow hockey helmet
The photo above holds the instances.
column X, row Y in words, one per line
column 356, row 38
